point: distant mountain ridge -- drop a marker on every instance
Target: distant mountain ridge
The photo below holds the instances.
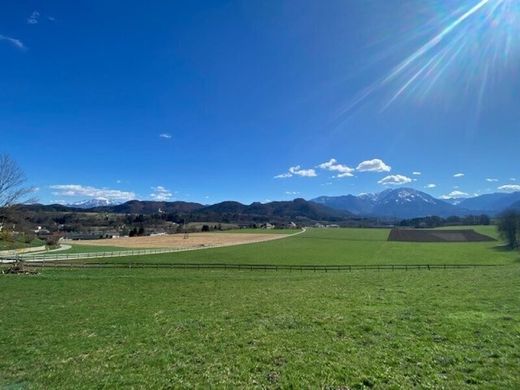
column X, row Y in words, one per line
column 297, row 209
column 150, row 207
column 282, row 211
column 395, row 203
column 399, row 203
column 491, row 203
column 91, row 203
column 410, row 203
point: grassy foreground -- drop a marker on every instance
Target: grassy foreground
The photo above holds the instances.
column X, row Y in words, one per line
column 164, row 328
column 86, row 328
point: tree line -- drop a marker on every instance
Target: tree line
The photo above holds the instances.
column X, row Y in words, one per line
column 434, row 221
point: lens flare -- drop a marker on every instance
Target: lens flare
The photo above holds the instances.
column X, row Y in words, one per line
column 474, row 48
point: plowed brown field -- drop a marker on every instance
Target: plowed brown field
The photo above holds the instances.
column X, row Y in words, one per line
column 195, row 240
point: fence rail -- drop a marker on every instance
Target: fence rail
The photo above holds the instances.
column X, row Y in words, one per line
column 263, row 267
column 96, row 255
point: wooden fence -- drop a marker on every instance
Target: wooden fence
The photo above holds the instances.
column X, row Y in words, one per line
column 94, row 255
column 262, row 267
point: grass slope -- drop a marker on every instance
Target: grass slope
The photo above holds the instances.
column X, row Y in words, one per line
column 19, row 244
column 162, row 328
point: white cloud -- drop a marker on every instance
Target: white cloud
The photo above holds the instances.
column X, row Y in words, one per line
column 430, row 186
column 283, row 176
column 375, row 165
column 165, row 136
column 297, row 171
column 15, row 42
column 455, row 195
column 91, row 192
column 333, row 166
column 491, row 180
column 291, row 192
column 34, row 18
column 395, row 180
column 458, row 175
column 510, row 188
column 161, row 194
column 417, row 173
column 512, row 178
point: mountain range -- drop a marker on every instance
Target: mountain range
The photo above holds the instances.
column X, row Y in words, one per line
column 410, row 203
column 397, row 203
column 297, row 210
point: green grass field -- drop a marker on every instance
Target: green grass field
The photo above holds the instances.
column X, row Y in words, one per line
column 19, row 244
column 78, row 248
column 145, row 328
column 343, row 246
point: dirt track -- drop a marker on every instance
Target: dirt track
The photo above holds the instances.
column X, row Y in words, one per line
column 195, row 240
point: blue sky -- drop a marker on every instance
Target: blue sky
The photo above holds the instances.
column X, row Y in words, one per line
column 251, row 100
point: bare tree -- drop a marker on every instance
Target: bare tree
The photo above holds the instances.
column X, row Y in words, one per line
column 12, row 183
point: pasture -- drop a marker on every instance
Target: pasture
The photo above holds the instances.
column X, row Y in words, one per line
column 342, row 246
column 87, row 328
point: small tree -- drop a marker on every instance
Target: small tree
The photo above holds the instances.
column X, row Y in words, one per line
column 12, row 183
column 509, row 228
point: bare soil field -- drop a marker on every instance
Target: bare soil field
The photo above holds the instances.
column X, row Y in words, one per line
column 423, row 235
column 178, row 241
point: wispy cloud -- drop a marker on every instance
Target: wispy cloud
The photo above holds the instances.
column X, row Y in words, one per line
column 297, row 171
column 395, row 180
column 34, row 18
column 79, row 190
column 161, row 193
column 417, row 173
column 458, row 175
column 333, row 166
column 510, row 188
column 375, row 165
column 430, row 185
column 455, row 195
column 491, row 180
column 165, row 136
column 13, row 41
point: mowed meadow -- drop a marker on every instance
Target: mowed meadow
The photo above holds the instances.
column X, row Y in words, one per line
column 85, row 328
column 341, row 246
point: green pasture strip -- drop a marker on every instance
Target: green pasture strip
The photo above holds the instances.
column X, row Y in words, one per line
column 488, row 230
column 341, row 246
column 78, row 248
column 174, row 328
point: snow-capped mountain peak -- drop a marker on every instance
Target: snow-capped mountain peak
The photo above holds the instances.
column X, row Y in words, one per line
column 91, row 203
